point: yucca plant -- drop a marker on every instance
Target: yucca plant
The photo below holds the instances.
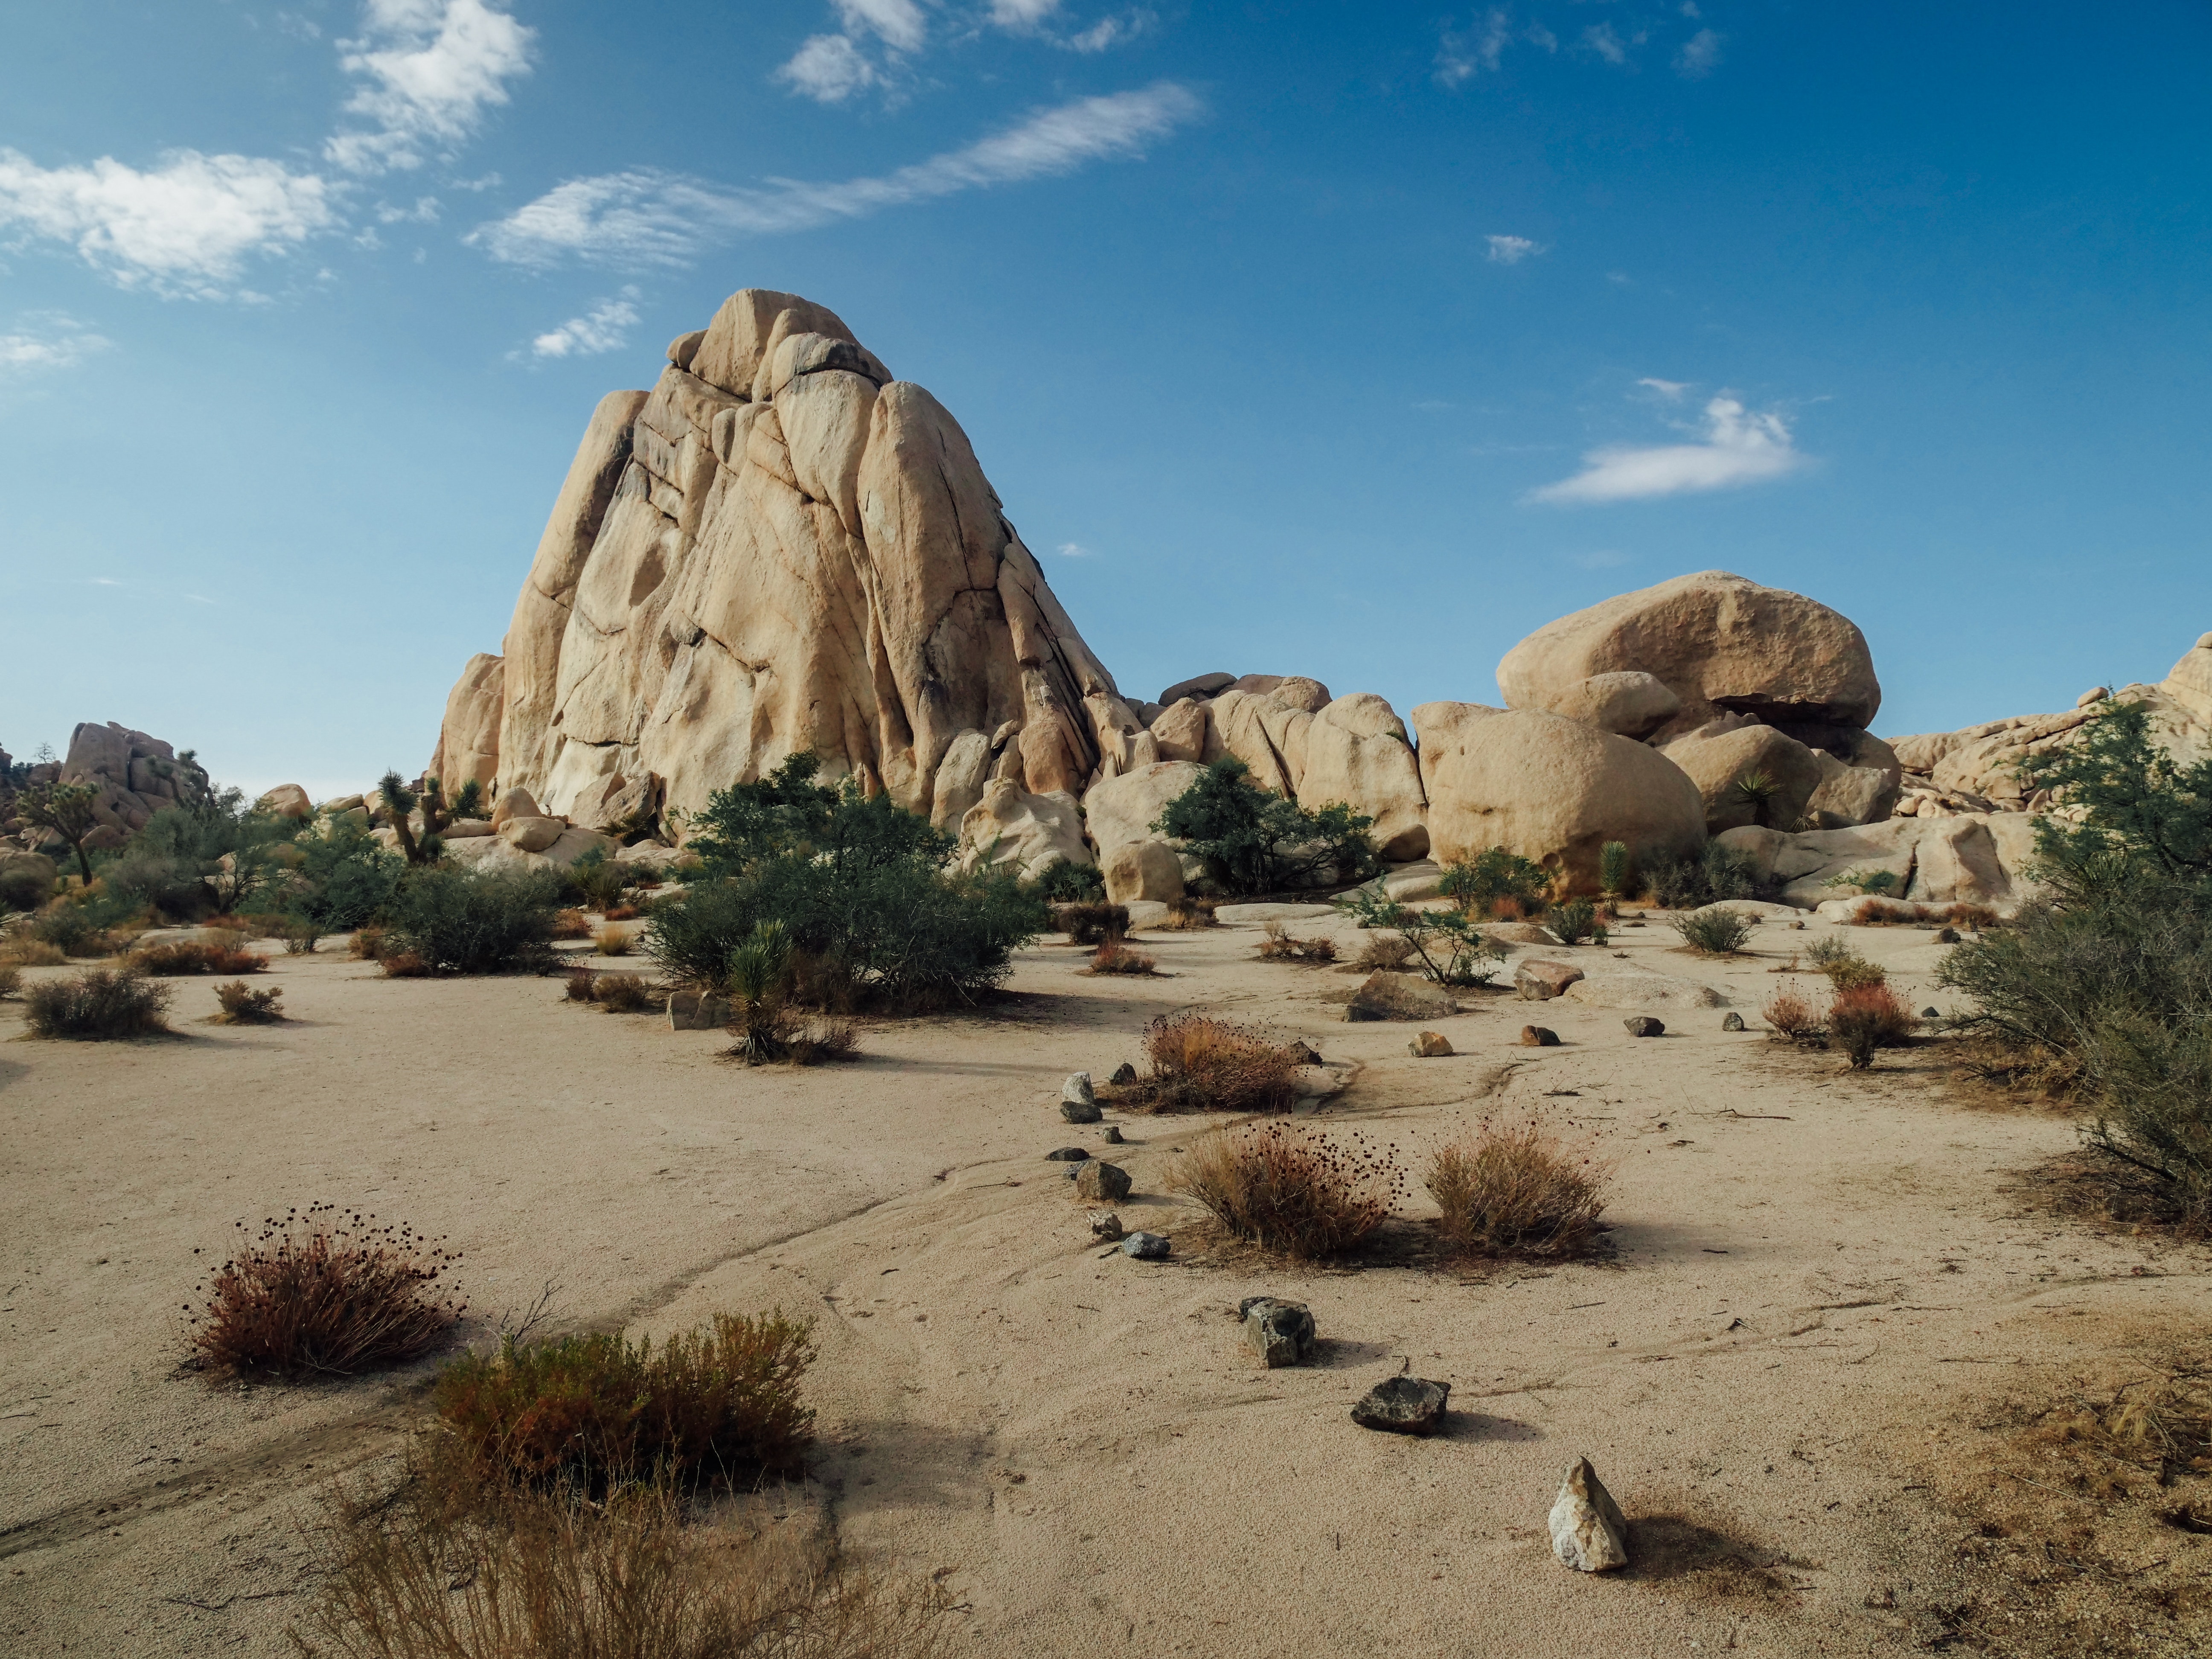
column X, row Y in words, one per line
column 1756, row 790
column 760, row 971
column 1613, row 871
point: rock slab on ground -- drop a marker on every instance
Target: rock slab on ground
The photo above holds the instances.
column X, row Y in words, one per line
column 1430, row 1045
column 1385, row 995
column 1402, row 1405
column 1540, row 981
column 1146, row 1247
column 1643, row 1025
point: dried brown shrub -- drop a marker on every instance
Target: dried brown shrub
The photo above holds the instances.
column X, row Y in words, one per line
column 621, row 912
column 624, row 993
column 1115, row 958
column 1292, row 1190
column 242, row 1005
column 1386, row 952
column 368, row 944
column 11, row 980
column 577, row 983
column 1093, row 921
column 320, row 1293
column 23, row 951
column 1277, row 945
column 177, row 958
column 1201, row 1063
column 571, row 924
column 1519, row 1190
column 612, row 941
column 405, row 964
column 1790, row 1015
column 1864, row 1018
column 1189, row 913
column 97, row 1006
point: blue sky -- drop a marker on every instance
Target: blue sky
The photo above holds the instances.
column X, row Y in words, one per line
column 1350, row 341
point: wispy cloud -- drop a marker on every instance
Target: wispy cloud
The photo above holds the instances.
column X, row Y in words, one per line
column 1605, row 40
column 46, row 340
column 1022, row 14
column 1462, row 56
column 829, row 69
column 1699, row 55
column 604, row 327
column 1740, row 447
column 898, row 23
column 428, row 70
column 1511, row 250
column 645, row 216
column 1074, row 550
column 186, row 227
column 1672, row 390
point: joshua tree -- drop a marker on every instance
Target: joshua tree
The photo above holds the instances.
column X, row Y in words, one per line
column 65, row 809
column 1757, row 790
column 400, row 801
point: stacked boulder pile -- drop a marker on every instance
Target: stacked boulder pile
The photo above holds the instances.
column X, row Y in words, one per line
column 782, row 548
column 134, row 776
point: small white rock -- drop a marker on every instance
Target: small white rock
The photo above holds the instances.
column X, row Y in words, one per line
column 1589, row 1532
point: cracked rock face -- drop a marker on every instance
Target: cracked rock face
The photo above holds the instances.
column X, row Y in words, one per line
column 779, row 548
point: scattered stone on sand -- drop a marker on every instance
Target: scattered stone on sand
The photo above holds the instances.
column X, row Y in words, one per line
column 1931, row 1013
column 1589, row 1532
column 1077, row 1103
column 1281, row 1332
column 1539, row 1037
column 1385, row 995
column 1943, row 935
column 1102, row 1182
column 1430, row 1045
column 1068, row 1155
column 1402, row 1405
column 1146, row 1247
column 1643, row 1025
column 698, row 1011
column 1540, row 981
column 1302, row 1053
column 1105, row 1225
column 1111, row 1135
column 1732, row 1023
column 1124, row 1075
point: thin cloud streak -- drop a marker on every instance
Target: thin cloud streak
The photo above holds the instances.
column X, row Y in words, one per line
column 645, row 216
column 604, row 327
column 1740, row 448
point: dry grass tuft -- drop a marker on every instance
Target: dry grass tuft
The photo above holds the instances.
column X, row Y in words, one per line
column 22, row 950
column 1115, row 958
column 571, row 924
column 97, row 1006
column 179, row 957
column 612, row 941
column 404, row 964
column 626, row 993
column 321, row 1294
column 428, row 1567
column 242, row 1005
column 1279, row 946
column 1292, row 1191
column 1384, row 952
column 1519, row 1191
column 1189, row 913
column 717, row 1406
column 577, row 982
column 1200, row 1064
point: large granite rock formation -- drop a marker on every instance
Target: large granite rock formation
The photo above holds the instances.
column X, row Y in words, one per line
column 136, row 775
column 779, row 547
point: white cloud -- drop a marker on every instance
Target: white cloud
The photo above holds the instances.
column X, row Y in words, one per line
column 1022, row 14
column 1672, row 390
column 1109, row 32
column 1460, row 57
column 1740, row 449
column 424, row 212
column 1074, row 550
column 1699, row 55
column 183, row 228
column 604, row 327
column 46, row 340
column 898, row 23
column 1601, row 39
column 1512, row 250
column 646, row 217
column 829, row 69
column 430, row 68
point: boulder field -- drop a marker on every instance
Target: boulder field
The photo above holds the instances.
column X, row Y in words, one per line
column 781, row 547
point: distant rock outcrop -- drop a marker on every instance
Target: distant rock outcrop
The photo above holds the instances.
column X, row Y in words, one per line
column 137, row 775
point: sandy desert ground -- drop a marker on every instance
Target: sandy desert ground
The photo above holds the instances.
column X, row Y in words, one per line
column 1818, row 1276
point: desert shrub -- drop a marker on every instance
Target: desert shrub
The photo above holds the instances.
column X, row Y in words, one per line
column 1092, row 922
column 623, row 913
column 368, row 943
column 861, row 887
column 1865, row 881
column 11, row 980
column 432, row 1564
column 1451, row 950
column 345, row 878
column 1115, row 958
column 1386, row 952
column 464, row 922
column 216, row 852
column 21, row 888
column 1277, row 945
column 716, row 1405
column 1494, row 878
column 96, row 1005
column 614, row 941
column 598, row 880
column 1612, row 869
column 1790, row 1015
column 1841, row 964
column 405, row 964
column 242, row 1005
column 1709, row 877
column 1716, row 933
column 623, row 994
column 1864, row 1018
column 1190, row 912
column 577, row 983
column 174, row 959
column 300, row 935
column 1518, row 1190
column 324, row 1293
column 1063, row 882
column 1575, row 921
column 21, row 950
column 1295, row 1191
column 571, row 924
column 1200, row 1064
column 70, row 927
column 1253, row 841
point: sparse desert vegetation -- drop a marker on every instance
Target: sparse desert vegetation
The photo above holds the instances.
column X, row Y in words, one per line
column 1518, row 1189
column 1195, row 1063
column 1295, row 1191
column 97, row 1006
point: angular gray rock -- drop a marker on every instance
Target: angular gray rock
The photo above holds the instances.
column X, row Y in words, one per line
column 698, row 1011
column 1102, row 1183
column 1402, row 1405
column 1732, row 1023
column 1068, row 1155
column 1385, row 995
column 1589, row 1532
column 1146, row 1247
column 1077, row 1103
column 1280, row 1332
column 1645, row 1025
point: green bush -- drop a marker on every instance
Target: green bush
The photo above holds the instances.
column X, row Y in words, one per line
column 1710, row 877
column 1477, row 884
column 1717, row 933
column 1576, row 921
column 464, row 922
column 70, row 928
column 1252, row 841
column 1069, row 884
column 96, row 1005
column 345, row 878
column 1451, row 950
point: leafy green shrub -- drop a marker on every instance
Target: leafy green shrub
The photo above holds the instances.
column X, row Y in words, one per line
column 1518, row 1191
column 1575, row 921
column 1252, row 841
column 599, row 881
column 1865, row 881
column 1495, row 879
column 1716, row 933
column 70, row 927
column 346, row 879
column 96, row 1005
column 466, row 922
column 242, row 1005
column 1092, row 921
column 1452, row 950
column 716, row 1406
column 1841, row 964
column 1709, row 877
column 1063, row 882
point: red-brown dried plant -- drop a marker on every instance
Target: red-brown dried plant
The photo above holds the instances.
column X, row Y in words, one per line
column 1293, row 1190
column 1790, row 1015
column 181, row 957
column 1518, row 1190
column 1115, row 958
column 1865, row 1018
column 1200, row 1064
column 320, row 1293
